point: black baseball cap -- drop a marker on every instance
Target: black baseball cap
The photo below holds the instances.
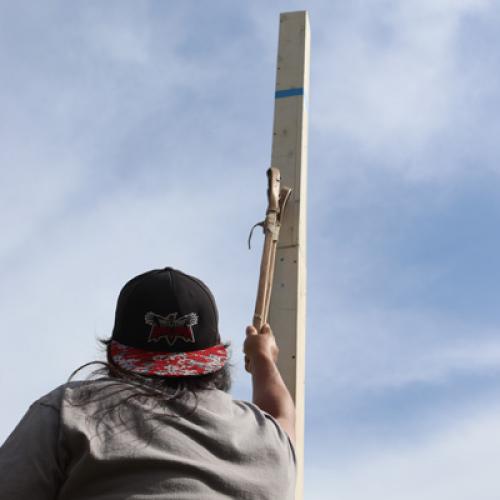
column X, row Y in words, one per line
column 166, row 324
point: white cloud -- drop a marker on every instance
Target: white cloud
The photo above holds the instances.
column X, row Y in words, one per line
column 382, row 349
column 457, row 462
column 120, row 34
column 388, row 80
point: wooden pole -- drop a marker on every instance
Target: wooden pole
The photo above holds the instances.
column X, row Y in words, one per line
column 287, row 314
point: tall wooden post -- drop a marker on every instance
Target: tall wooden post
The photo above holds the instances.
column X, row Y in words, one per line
column 287, row 314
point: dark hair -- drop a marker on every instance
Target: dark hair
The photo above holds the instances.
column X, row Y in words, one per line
column 161, row 390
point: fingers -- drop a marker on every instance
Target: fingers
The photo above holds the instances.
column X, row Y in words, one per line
column 266, row 330
column 258, row 346
column 251, row 330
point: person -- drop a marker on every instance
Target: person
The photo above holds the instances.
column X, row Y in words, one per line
column 157, row 421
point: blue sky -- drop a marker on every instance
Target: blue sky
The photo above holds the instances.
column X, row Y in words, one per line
column 136, row 135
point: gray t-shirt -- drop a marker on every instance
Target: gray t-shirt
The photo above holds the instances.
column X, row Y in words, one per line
column 106, row 448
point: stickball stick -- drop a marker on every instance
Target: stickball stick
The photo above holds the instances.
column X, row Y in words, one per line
column 277, row 198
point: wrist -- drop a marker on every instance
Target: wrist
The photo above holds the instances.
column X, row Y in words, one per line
column 263, row 367
column 262, row 358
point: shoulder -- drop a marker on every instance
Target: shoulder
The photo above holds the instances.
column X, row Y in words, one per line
column 53, row 398
column 70, row 391
column 267, row 426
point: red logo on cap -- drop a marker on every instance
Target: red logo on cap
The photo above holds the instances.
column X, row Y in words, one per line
column 171, row 327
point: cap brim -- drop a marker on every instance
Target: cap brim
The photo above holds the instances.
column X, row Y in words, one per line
column 169, row 364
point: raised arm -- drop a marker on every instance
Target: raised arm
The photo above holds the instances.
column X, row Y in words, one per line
column 270, row 393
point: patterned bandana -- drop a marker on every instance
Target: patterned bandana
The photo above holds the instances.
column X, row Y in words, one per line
column 169, row 364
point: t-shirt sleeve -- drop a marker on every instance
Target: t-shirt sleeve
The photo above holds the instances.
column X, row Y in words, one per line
column 29, row 459
column 283, row 437
column 273, row 432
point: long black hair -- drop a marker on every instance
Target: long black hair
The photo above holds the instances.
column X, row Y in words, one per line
column 159, row 390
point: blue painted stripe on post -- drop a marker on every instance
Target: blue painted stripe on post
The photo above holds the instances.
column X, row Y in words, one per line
column 279, row 94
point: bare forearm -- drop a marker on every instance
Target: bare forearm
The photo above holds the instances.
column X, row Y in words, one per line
column 271, row 395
